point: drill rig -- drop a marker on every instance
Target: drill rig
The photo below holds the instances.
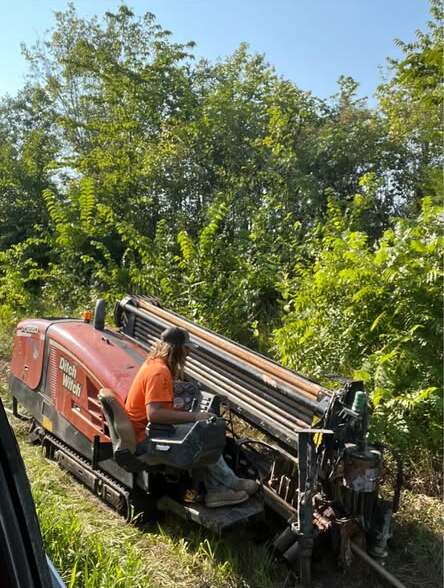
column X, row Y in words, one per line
column 306, row 444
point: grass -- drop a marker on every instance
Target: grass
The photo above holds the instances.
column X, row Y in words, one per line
column 93, row 547
column 416, row 549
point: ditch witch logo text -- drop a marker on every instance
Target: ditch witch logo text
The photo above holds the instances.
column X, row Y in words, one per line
column 69, row 372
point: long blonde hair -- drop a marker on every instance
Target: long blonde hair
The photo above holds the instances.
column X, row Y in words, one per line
column 173, row 355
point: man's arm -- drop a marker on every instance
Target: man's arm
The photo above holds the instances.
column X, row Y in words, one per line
column 157, row 413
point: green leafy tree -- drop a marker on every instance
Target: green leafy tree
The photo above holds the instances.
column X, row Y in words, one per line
column 27, row 151
column 235, row 197
column 114, row 86
column 412, row 101
column 374, row 313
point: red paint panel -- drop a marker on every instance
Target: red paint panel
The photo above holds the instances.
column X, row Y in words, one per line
column 75, row 391
column 83, row 360
column 112, row 366
column 28, row 352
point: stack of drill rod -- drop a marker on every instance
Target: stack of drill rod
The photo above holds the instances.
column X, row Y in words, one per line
column 272, row 398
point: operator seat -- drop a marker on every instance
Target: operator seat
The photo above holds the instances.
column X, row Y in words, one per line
column 183, row 446
column 121, row 430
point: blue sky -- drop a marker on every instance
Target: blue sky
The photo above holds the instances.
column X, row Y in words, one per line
column 311, row 42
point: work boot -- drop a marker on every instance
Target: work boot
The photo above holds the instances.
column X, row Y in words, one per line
column 224, row 497
column 248, row 486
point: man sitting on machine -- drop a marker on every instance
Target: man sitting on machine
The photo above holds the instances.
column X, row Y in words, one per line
column 151, row 400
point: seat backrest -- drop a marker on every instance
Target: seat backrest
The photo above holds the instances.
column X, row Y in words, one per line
column 120, row 427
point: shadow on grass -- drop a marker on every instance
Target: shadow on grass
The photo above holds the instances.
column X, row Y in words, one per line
column 416, row 551
column 415, row 555
column 243, row 551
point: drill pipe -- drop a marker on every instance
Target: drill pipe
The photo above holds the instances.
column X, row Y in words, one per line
column 211, row 354
column 290, row 422
column 272, row 398
column 376, row 566
column 309, row 405
column 236, row 392
column 305, row 386
column 260, row 389
column 285, row 431
column 231, row 389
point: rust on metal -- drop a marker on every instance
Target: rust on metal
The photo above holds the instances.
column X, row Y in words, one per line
column 269, row 368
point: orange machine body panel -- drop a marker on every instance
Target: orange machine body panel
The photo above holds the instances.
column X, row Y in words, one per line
column 28, row 353
column 80, row 361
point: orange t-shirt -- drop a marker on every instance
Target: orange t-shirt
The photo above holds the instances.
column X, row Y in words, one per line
column 153, row 383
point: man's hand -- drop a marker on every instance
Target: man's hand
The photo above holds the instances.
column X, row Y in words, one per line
column 202, row 416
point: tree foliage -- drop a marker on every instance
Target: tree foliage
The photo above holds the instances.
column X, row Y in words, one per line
column 412, row 102
column 303, row 227
column 374, row 313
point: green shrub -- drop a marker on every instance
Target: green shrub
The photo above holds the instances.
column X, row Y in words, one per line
column 373, row 312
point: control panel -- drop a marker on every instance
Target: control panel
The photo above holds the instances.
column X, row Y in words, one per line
column 209, row 403
column 189, row 397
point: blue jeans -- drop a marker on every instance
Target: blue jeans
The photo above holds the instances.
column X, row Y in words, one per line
column 216, row 475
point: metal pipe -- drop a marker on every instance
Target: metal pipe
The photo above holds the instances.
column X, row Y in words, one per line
column 376, row 566
column 254, row 415
column 308, row 402
column 246, row 370
column 247, row 399
column 274, row 501
column 286, row 429
column 284, row 400
column 274, row 403
column 285, row 418
column 214, row 381
column 236, row 349
column 230, row 386
column 304, row 385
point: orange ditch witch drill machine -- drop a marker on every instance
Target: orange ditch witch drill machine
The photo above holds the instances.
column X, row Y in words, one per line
column 306, row 445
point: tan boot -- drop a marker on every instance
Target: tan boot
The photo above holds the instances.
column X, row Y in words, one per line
column 224, row 497
column 248, row 486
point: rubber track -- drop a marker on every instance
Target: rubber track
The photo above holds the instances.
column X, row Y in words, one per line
column 98, row 474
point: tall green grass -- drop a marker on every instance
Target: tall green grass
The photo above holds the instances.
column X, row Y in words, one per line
column 85, row 557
